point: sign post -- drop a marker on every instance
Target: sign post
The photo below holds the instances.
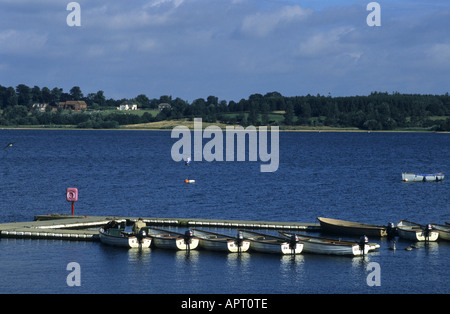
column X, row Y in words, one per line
column 72, row 196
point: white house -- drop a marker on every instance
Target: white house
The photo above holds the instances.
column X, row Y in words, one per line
column 127, row 106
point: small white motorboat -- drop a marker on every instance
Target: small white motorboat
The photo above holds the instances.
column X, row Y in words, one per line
column 117, row 237
column 416, row 177
column 173, row 240
column 271, row 244
column 319, row 245
column 219, row 242
column 444, row 231
column 416, row 232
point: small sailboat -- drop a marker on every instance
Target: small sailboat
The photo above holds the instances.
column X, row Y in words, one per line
column 188, row 161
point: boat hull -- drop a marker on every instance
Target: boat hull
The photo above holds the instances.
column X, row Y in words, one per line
column 338, row 226
column 317, row 245
column 171, row 240
column 175, row 243
column 218, row 242
column 229, row 246
column 275, row 248
column 414, row 177
column 444, row 231
column 271, row 244
column 124, row 241
column 415, row 232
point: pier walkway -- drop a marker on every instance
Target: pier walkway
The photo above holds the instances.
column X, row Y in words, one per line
column 85, row 228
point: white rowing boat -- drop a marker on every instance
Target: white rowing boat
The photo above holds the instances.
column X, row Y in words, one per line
column 117, row 237
column 416, row 232
column 172, row 240
column 271, row 244
column 219, row 242
column 444, row 231
column 319, row 245
column 417, row 177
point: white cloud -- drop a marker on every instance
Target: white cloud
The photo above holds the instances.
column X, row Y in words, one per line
column 157, row 3
column 21, row 42
column 261, row 24
column 327, row 42
column 440, row 54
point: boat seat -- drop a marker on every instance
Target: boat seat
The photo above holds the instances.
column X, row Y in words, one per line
column 114, row 232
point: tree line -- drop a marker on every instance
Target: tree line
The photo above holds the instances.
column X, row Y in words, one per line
column 377, row 111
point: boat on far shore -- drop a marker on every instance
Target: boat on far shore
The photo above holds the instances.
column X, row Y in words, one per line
column 338, row 226
column 417, row 177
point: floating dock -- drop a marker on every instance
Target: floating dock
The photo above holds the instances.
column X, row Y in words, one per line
column 85, row 228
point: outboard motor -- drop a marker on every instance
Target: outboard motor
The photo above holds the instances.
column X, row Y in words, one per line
column 362, row 243
column 427, row 231
column 238, row 241
column 141, row 235
column 293, row 242
column 390, row 230
column 188, row 234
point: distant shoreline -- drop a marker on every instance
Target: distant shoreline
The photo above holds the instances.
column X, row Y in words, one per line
column 189, row 124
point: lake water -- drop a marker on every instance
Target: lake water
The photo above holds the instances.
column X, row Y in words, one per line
column 352, row 176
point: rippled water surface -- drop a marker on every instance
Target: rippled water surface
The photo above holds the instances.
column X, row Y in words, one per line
column 353, row 176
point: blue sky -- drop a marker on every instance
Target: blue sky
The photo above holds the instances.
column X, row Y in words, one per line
column 226, row 48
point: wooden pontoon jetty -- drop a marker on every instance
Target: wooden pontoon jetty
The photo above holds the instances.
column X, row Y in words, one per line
column 85, row 228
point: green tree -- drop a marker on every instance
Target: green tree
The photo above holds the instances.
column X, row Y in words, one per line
column 76, row 93
column 46, row 95
column 289, row 115
column 143, row 101
column 10, row 97
column 23, row 95
column 99, row 98
column 36, row 95
column 55, row 94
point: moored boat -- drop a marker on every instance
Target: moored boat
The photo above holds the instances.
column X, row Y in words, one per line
column 444, row 231
column 417, row 177
column 319, row 245
column 338, row 226
column 416, row 232
column 172, row 240
column 219, row 242
column 265, row 243
column 117, row 237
